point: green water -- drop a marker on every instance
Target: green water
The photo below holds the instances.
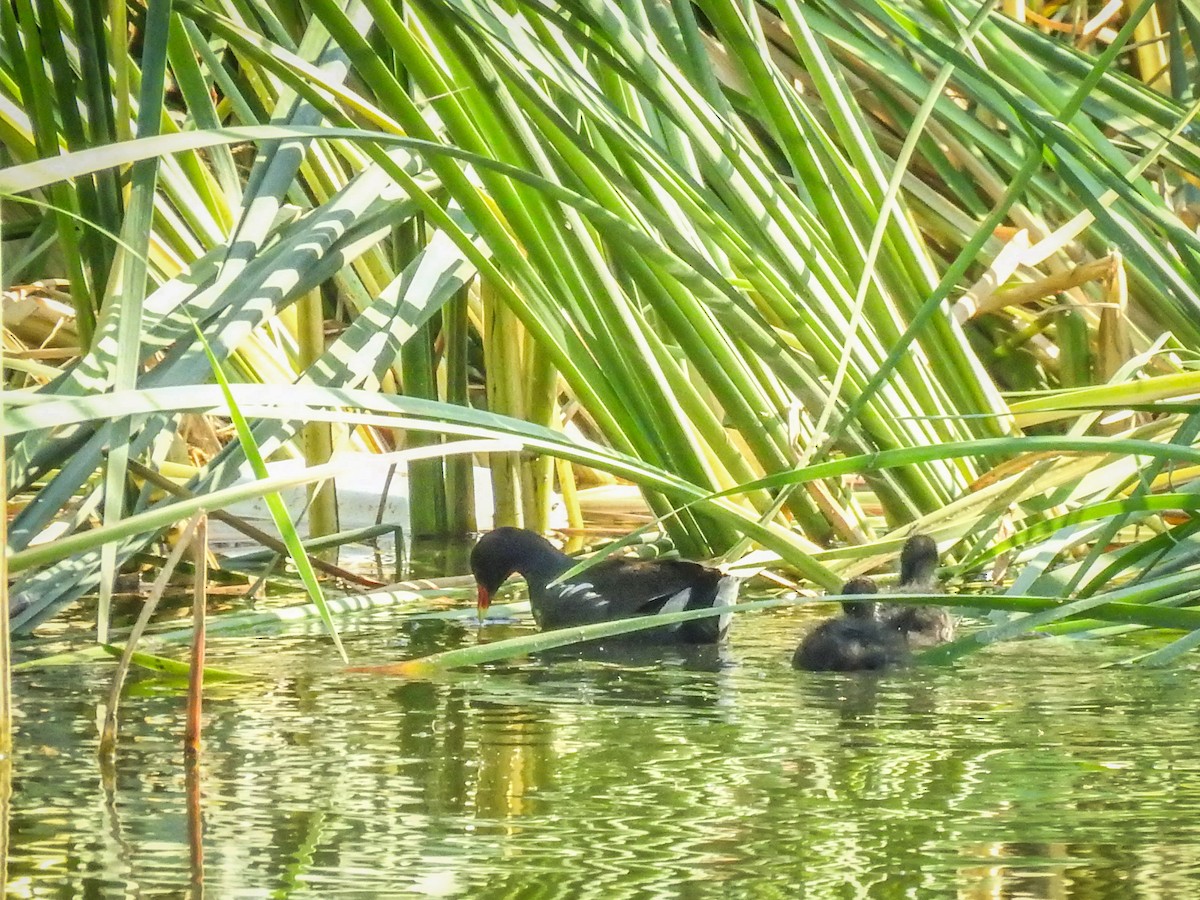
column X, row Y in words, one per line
column 1026, row 771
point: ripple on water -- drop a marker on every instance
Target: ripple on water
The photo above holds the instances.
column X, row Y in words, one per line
column 1022, row 771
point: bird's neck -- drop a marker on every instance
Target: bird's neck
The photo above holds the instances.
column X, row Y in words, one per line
column 543, row 566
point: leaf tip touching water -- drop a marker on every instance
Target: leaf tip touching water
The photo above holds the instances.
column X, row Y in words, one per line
column 409, row 668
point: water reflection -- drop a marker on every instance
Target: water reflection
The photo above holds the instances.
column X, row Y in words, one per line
column 517, row 759
column 1025, row 772
column 193, row 778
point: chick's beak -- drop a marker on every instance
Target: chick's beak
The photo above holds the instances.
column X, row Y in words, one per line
column 483, row 602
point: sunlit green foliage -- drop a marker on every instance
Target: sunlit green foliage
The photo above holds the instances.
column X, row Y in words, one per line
column 725, row 242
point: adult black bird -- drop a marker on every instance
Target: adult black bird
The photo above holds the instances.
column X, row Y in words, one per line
column 614, row 588
column 921, row 626
column 856, row 641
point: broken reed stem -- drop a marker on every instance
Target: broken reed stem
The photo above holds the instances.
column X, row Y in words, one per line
column 108, row 732
column 254, row 533
column 1044, row 287
column 191, row 739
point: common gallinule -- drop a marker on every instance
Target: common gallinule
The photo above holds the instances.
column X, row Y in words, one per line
column 921, row 626
column 614, row 588
column 857, row 641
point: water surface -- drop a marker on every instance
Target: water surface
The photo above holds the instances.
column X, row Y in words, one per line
column 1025, row 771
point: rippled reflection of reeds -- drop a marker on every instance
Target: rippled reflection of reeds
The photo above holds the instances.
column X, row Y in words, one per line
column 1018, row 773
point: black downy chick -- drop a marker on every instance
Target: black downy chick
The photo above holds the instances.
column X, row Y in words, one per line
column 921, row 626
column 856, row 641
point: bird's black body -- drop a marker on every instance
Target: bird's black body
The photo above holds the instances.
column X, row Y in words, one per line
column 857, row 641
column 921, row 626
column 615, row 588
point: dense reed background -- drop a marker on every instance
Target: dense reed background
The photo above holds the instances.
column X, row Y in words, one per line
column 898, row 265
